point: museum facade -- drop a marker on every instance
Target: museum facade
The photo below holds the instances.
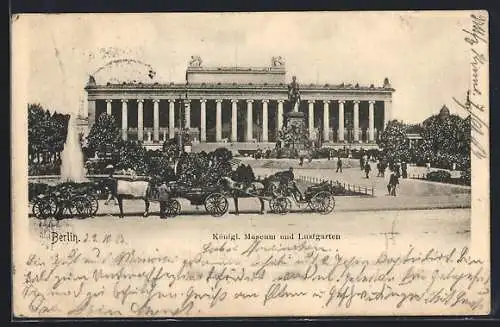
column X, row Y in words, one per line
column 243, row 106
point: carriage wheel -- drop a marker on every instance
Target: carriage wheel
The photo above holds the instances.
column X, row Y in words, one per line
column 216, row 204
column 313, row 203
column 41, row 208
column 173, row 208
column 81, row 206
column 280, row 205
column 53, row 205
column 94, row 205
column 322, row 202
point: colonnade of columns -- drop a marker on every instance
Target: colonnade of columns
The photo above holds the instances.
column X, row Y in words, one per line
column 249, row 118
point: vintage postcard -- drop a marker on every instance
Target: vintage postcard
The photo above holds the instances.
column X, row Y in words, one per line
column 250, row 164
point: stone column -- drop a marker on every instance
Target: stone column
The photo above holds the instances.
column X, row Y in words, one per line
column 356, row 120
column 91, row 112
column 265, row 134
column 234, row 120
column 108, row 107
column 371, row 121
column 156, row 120
column 203, row 120
column 171, row 118
column 387, row 112
column 341, row 121
column 311, row 118
column 187, row 113
column 249, row 121
column 124, row 120
column 326, row 120
column 280, row 114
column 140, row 120
column 218, row 120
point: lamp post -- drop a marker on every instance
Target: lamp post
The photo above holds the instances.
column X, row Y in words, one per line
column 181, row 147
column 182, row 103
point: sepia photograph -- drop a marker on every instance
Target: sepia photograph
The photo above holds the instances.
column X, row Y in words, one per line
column 250, row 164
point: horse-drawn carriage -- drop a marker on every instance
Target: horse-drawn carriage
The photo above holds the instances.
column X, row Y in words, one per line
column 211, row 197
column 66, row 200
column 82, row 202
column 319, row 198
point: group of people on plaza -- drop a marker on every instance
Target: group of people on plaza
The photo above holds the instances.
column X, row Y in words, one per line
column 397, row 169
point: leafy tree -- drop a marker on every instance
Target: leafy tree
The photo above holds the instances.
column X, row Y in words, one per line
column 444, row 135
column 171, row 149
column 446, row 141
column 36, row 132
column 223, row 154
column 133, row 156
column 104, row 135
column 158, row 165
column 394, row 142
column 46, row 134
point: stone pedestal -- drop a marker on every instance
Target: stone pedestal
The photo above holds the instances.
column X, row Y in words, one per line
column 296, row 121
column 295, row 118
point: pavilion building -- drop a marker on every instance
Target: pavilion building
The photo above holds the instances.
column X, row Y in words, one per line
column 242, row 106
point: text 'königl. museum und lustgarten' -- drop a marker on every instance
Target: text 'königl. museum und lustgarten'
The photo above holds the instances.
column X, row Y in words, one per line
column 242, row 106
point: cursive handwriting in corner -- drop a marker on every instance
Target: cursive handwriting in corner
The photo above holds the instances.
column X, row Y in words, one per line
column 478, row 126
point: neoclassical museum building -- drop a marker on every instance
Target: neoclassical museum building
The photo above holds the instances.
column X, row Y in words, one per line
column 238, row 107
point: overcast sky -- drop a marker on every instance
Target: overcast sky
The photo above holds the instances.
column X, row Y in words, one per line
column 423, row 54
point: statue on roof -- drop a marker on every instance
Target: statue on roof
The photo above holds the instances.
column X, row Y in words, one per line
column 195, row 61
column 386, row 83
column 277, row 61
column 151, row 73
column 91, row 80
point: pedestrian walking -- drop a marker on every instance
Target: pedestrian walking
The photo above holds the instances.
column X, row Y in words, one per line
column 339, row 164
column 368, row 168
column 393, row 182
column 404, row 170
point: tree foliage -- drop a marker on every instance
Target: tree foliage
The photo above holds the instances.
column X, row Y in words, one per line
column 46, row 133
column 132, row 155
column 204, row 169
column 104, row 135
column 394, row 142
column 444, row 135
column 445, row 141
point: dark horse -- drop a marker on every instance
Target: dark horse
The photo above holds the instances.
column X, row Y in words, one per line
column 132, row 189
column 241, row 190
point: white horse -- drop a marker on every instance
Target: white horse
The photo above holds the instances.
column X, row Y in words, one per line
column 135, row 189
